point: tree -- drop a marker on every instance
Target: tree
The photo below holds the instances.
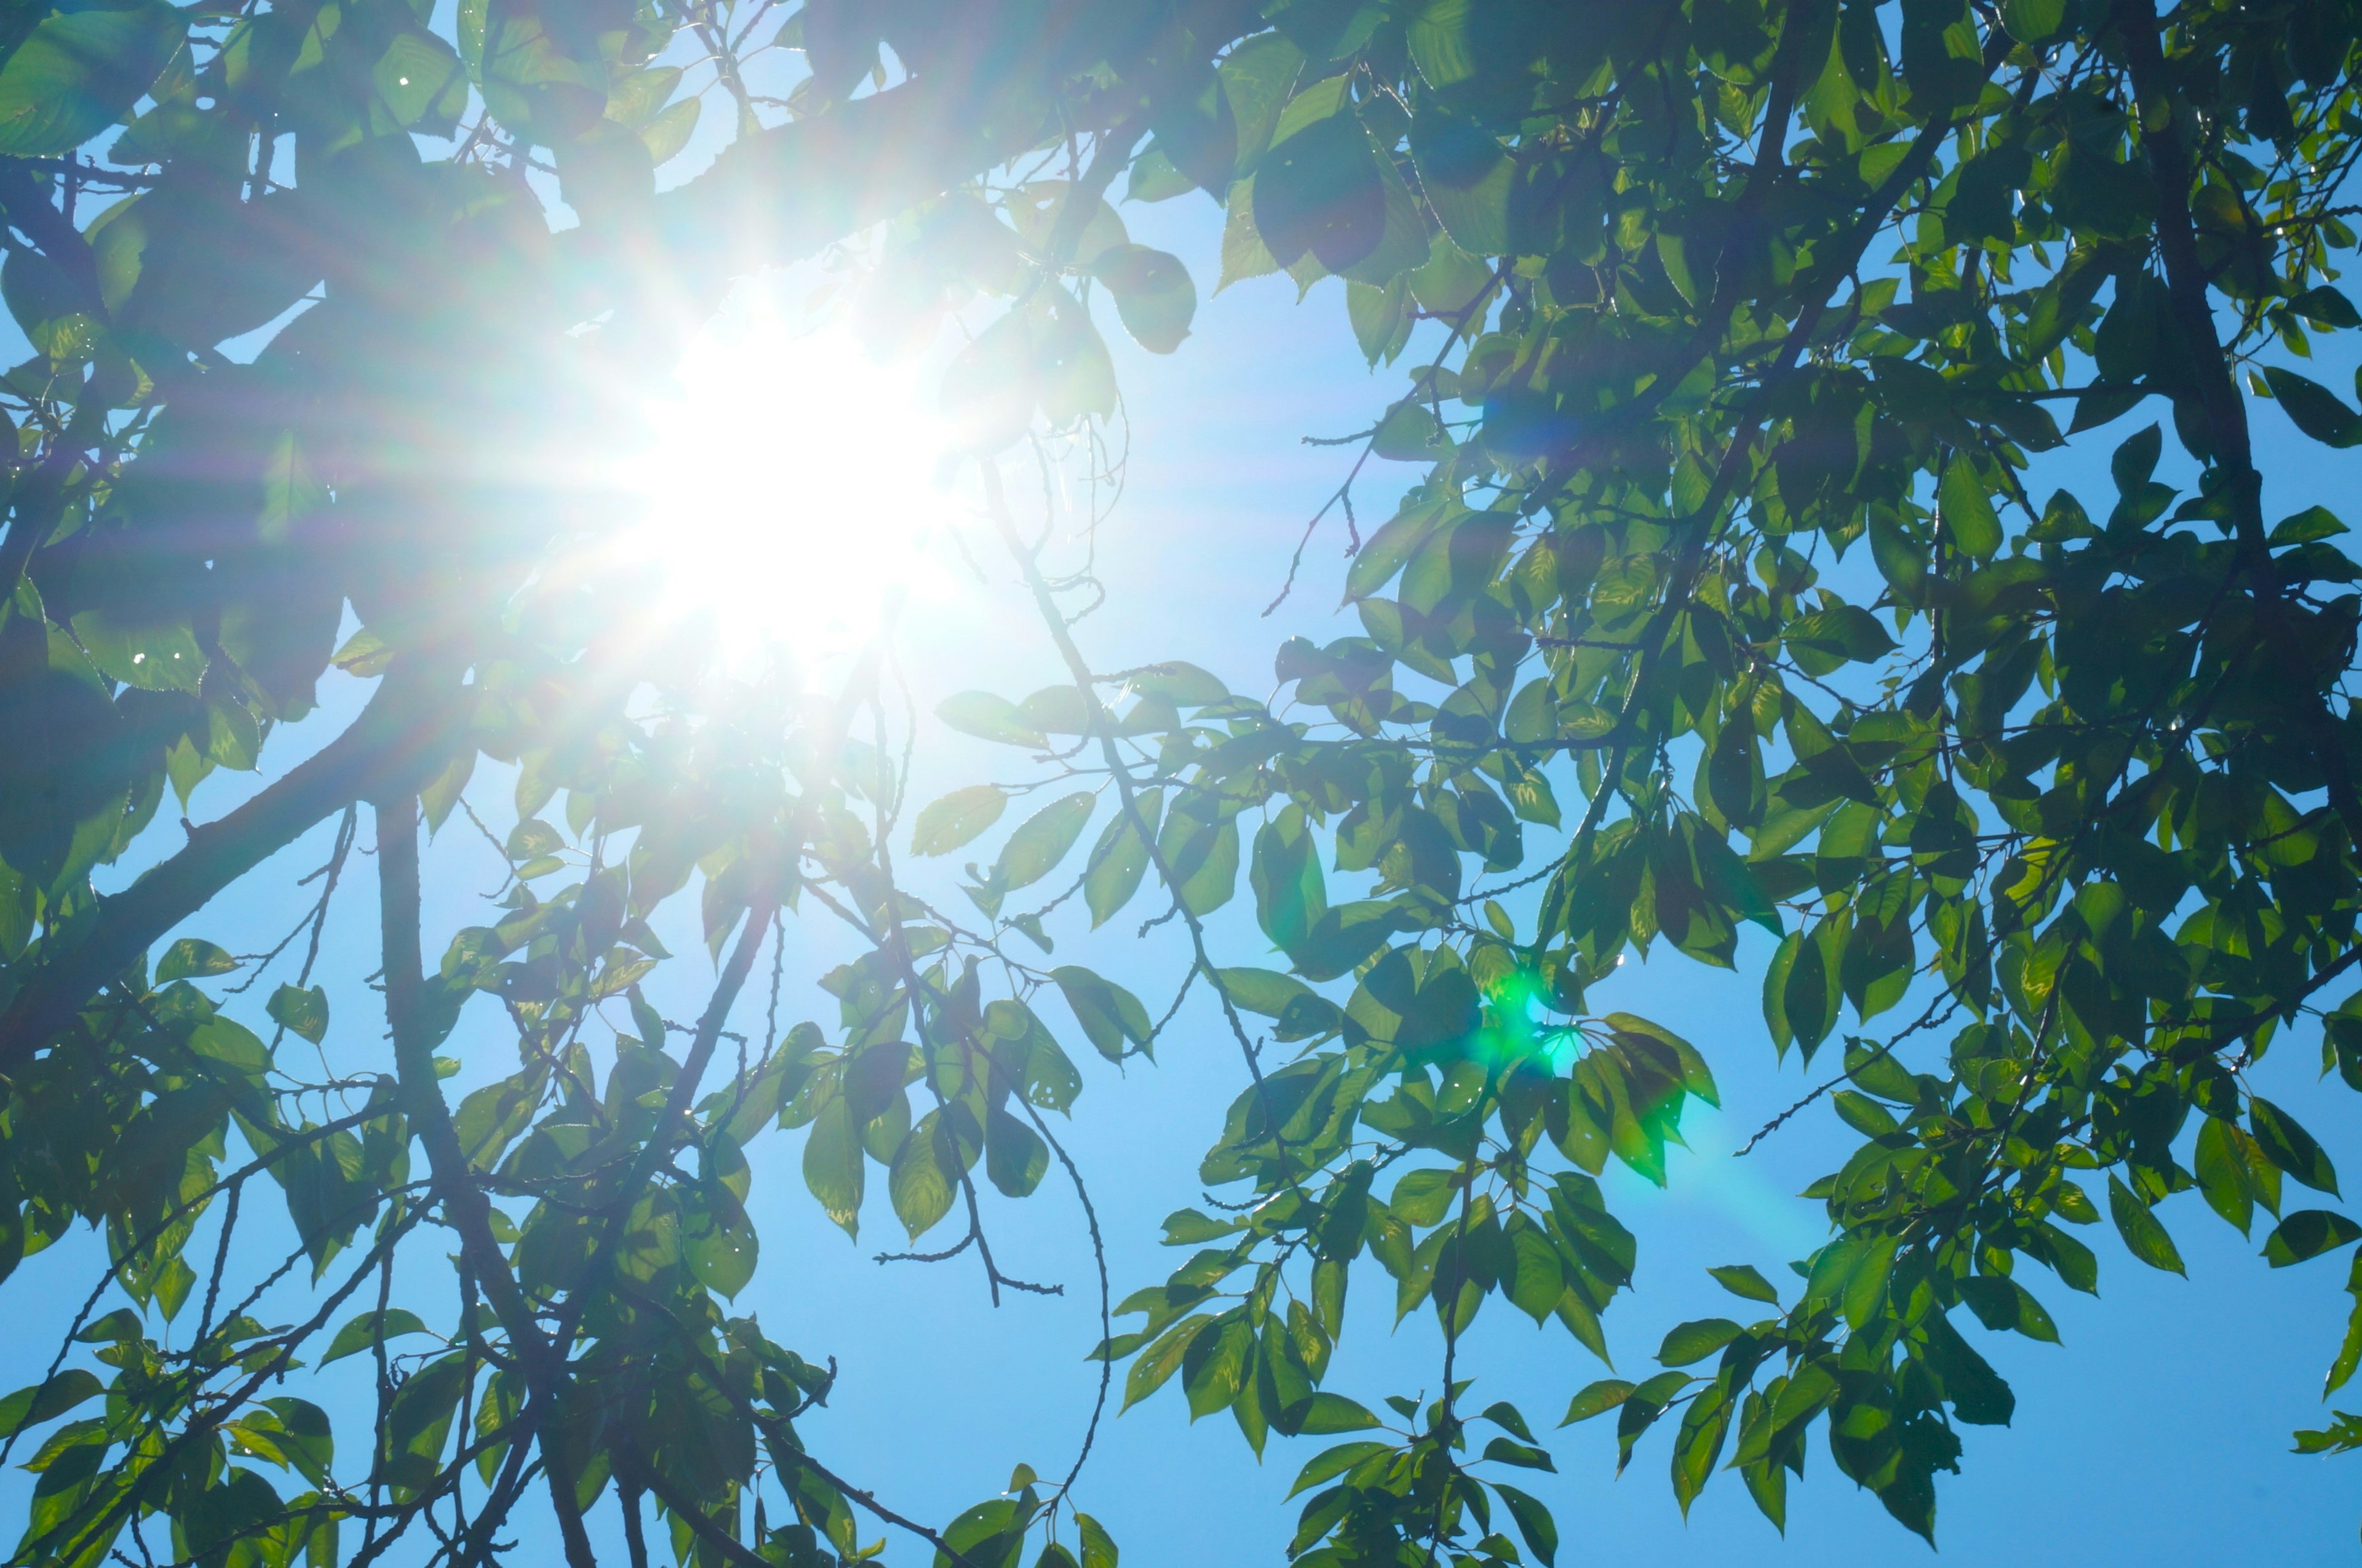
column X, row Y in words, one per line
column 1712, row 294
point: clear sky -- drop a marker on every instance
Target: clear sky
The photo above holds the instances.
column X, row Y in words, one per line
column 2157, row 1433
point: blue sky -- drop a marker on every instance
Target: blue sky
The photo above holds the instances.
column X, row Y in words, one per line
column 2157, row 1433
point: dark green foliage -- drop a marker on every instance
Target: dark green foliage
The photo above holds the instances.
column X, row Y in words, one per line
column 1719, row 293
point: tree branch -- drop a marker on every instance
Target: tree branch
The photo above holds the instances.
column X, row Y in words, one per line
column 657, row 1151
column 2185, row 275
column 403, row 733
column 2219, row 399
column 1054, row 622
column 464, row 1203
column 686, row 1509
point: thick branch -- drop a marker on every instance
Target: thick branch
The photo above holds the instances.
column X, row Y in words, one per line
column 2225, row 410
column 464, row 1203
column 687, row 1510
column 634, row 1536
column 405, row 731
column 2185, row 278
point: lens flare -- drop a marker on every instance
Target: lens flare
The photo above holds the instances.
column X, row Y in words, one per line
column 789, row 502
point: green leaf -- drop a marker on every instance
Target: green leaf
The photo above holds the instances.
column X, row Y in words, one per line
column 2135, row 459
column 421, row 81
column 1111, row 1017
column 1449, row 282
column 1967, row 511
column 1154, row 296
column 1319, row 191
column 2033, row 21
column 1939, row 58
column 2222, row 1173
column 2308, row 1233
column 957, row 817
column 2001, row 1302
column 1042, row 841
column 1597, row 1399
column 1121, row 858
column 2325, row 305
column 2349, row 1354
column 1256, row 78
column 1015, row 1157
column 1466, row 176
column 2290, row 1147
column 1503, row 1414
column 2142, row 1231
column 533, row 838
column 1699, row 1443
column 1266, row 991
column 1440, row 46
column 982, row 715
column 1331, row 1462
column 1643, row 1408
column 1865, row 1283
column 1695, row 1076
column 1525, row 1456
column 1537, row 1279
column 635, row 99
column 924, row 1178
column 290, row 1432
column 1381, row 319
column 77, row 72
column 718, row 1240
column 1186, row 684
column 1326, row 1414
column 1200, row 846
column 1422, row 1198
column 2344, row 1436
column 1902, row 558
column 1039, row 208
column 668, row 133
column 1534, row 1522
column 2315, row 410
column 1976, row 1391
column 1696, row 1341
column 1154, row 178
column 40, row 1402
column 1161, row 1359
column 1098, row 1547
column 832, row 1167
column 1733, row 772
column 305, row 1013
column 1244, row 255
column 1742, row 1280
column 1839, row 632
column 2304, row 527
column 193, row 958
column 369, row 1329
column 1409, row 433
column 989, row 1535
column 1291, row 895
column 155, row 656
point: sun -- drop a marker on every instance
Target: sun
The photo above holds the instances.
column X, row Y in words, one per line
column 789, row 495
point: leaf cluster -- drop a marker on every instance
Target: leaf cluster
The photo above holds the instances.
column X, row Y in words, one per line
column 1708, row 296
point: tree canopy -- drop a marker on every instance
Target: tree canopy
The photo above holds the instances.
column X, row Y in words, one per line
column 2052, row 809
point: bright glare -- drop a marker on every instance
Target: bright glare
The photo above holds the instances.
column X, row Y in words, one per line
column 791, row 500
